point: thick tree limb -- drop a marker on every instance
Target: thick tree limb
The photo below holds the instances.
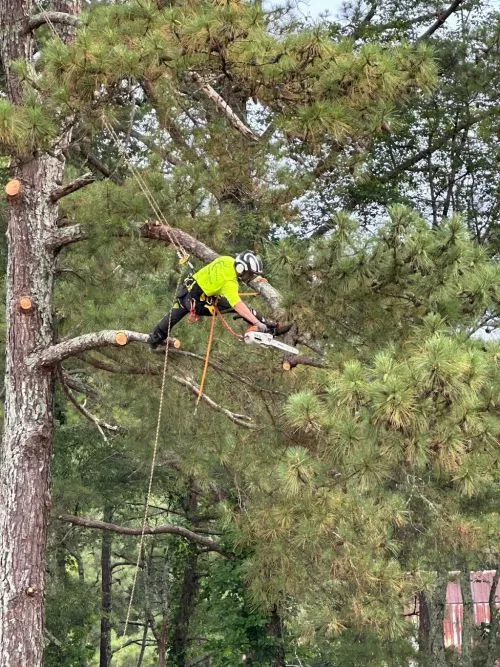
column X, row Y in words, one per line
column 298, row 359
column 60, row 18
column 441, row 18
column 69, row 348
column 169, row 529
column 241, row 420
column 69, row 188
column 66, row 235
column 224, row 107
column 155, row 230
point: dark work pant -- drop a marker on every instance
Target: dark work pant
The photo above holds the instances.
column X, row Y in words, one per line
column 190, row 294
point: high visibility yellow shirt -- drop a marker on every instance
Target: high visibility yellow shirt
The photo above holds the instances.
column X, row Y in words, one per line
column 219, row 279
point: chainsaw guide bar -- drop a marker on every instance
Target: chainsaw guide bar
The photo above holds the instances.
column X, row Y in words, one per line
column 267, row 340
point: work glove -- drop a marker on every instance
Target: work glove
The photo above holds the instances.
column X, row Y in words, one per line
column 277, row 329
column 263, row 328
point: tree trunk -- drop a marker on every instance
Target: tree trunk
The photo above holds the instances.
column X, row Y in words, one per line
column 189, row 591
column 467, row 617
column 106, row 579
column 424, row 624
column 431, row 635
column 275, row 629
column 28, row 426
column 187, row 602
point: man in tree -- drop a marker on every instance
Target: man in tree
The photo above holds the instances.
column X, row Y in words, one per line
column 216, row 285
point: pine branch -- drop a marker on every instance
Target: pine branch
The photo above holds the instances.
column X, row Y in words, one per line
column 169, row 529
column 60, row 18
column 167, row 123
column 152, row 146
column 241, row 420
column 224, row 107
column 69, row 188
column 73, row 346
column 441, row 18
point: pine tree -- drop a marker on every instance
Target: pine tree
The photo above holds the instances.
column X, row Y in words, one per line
column 160, row 76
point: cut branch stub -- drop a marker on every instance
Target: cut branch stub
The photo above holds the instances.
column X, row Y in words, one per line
column 121, row 338
column 13, row 188
column 25, row 303
column 287, row 366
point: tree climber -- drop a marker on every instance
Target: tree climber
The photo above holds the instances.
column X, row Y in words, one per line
column 216, row 284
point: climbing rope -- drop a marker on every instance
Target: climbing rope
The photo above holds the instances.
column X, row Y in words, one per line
column 151, row 474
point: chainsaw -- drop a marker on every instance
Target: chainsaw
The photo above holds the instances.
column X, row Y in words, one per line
column 252, row 336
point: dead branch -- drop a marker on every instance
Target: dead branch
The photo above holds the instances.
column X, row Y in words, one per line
column 441, row 18
column 76, row 384
column 148, row 370
column 69, row 188
column 169, row 529
column 101, row 425
column 223, row 106
column 66, row 235
column 241, row 420
column 60, row 18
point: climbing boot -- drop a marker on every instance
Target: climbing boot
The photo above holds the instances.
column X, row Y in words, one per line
column 156, row 337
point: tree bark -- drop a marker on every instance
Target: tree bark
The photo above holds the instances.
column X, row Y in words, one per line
column 187, row 601
column 189, row 589
column 431, row 638
column 467, row 618
column 106, row 580
column 29, row 423
column 275, row 629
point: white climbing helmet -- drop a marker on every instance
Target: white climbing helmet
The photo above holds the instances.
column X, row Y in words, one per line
column 248, row 262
